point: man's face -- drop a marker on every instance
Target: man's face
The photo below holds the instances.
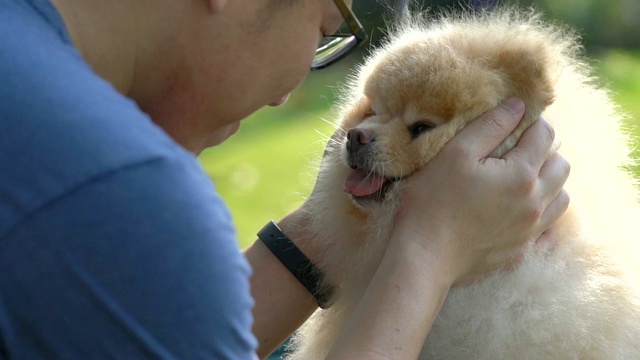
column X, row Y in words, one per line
column 250, row 54
column 278, row 46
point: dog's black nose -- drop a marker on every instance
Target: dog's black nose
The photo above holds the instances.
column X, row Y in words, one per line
column 357, row 137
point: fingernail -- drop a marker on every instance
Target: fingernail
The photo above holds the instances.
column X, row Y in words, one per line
column 515, row 105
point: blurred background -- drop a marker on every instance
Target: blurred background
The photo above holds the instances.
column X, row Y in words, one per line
column 268, row 168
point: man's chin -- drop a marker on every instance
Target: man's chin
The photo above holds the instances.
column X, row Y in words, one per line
column 223, row 134
column 280, row 101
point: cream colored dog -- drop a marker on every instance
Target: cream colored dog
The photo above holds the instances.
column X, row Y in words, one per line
column 578, row 300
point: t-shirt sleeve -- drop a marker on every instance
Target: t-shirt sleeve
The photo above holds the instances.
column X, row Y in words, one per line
column 141, row 262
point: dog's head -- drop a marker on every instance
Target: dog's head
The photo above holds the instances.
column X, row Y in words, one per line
column 414, row 94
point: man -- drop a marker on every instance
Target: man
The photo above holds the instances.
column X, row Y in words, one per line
column 113, row 243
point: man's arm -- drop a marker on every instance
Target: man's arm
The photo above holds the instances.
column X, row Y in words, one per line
column 282, row 303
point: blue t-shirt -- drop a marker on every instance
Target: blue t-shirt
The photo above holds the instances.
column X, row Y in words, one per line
column 113, row 241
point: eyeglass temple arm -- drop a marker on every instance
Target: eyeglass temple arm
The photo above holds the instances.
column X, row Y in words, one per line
column 356, row 28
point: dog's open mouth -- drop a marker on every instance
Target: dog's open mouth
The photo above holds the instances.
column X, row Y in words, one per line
column 366, row 185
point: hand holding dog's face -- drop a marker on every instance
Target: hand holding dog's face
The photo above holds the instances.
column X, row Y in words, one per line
column 451, row 195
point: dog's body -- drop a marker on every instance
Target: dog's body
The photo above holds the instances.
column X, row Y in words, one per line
column 576, row 300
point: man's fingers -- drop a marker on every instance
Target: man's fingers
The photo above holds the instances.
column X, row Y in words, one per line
column 554, row 211
column 534, row 145
column 483, row 135
column 553, row 175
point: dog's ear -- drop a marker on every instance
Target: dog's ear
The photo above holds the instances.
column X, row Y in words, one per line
column 530, row 74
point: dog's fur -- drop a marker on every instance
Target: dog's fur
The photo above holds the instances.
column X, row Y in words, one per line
column 577, row 300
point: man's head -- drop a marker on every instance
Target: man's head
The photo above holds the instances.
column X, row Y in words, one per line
column 197, row 67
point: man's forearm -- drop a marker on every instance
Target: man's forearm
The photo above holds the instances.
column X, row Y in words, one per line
column 396, row 312
column 282, row 302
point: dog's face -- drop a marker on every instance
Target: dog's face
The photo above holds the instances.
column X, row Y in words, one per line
column 414, row 96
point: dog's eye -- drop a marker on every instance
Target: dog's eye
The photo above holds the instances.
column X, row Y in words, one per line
column 419, row 128
column 369, row 112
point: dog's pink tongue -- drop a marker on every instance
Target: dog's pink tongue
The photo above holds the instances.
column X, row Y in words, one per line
column 359, row 183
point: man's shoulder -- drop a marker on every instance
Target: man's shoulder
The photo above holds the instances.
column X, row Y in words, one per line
column 63, row 126
column 51, row 150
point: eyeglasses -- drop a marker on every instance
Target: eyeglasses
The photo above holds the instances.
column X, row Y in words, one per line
column 337, row 46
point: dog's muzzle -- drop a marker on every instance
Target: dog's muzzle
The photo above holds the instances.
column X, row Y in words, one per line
column 363, row 182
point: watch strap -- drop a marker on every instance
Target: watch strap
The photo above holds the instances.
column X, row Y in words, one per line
column 295, row 261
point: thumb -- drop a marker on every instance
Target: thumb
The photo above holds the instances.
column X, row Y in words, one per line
column 483, row 135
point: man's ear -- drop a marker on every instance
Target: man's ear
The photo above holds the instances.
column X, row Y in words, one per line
column 216, row 6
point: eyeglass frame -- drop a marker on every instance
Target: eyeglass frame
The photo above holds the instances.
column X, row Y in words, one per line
column 357, row 37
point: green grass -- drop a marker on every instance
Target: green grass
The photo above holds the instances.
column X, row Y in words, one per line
column 620, row 71
column 267, row 169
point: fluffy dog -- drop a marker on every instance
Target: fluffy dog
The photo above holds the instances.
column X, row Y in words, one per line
column 577, row 300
